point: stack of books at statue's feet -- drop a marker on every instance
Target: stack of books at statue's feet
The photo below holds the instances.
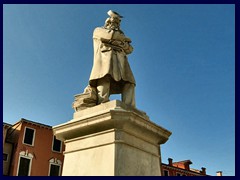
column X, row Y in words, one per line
column 87, row 99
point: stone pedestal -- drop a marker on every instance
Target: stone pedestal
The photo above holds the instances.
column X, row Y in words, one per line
column 111, row 139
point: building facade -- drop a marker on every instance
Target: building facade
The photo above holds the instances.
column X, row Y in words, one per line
column 181, row 168
column 31, row 149
column 7, row 149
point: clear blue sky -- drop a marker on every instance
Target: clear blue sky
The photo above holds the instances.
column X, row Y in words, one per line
column 183, row 63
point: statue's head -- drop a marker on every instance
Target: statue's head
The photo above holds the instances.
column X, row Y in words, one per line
column 113, row 22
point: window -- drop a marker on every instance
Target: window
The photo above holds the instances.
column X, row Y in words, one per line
column 165, row 173
column 54, row 170
column 24, row 163
column 178, row 174
column 29, row 136
column 5, row 157
column 57, row 145
column 24, row 166
column 54, row 167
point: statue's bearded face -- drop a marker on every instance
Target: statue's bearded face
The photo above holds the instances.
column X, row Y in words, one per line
column 113, row 23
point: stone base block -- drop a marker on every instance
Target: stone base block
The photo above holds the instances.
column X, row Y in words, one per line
column 111, row 139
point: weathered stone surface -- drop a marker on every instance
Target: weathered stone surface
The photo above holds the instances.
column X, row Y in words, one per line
column 87, row 99
column 111, row 72
column 104, row 107
column 112, row 140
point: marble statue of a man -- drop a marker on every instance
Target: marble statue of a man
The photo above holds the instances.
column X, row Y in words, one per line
column 111, row 73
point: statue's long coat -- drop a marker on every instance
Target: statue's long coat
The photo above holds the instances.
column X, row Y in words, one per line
column 108, row 61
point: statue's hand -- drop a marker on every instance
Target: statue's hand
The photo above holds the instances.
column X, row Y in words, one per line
column 127, row 48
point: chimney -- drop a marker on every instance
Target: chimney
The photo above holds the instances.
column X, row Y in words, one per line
column 170, row 161
column 186, row 164
column 203, row 171
column 219, row 173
